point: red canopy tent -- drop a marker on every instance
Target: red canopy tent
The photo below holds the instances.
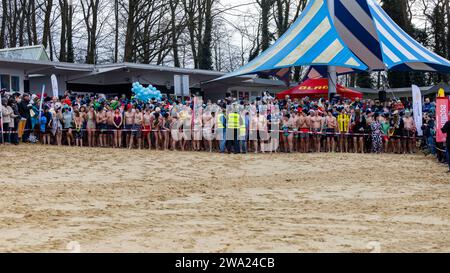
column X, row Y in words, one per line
column 317, row 88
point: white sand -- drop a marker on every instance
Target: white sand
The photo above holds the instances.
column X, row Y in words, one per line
column 138, row 201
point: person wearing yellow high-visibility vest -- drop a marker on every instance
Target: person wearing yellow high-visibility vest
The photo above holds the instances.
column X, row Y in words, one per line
column 343, row 120
column 233, row 127
column 243, row 131
column 221, row 125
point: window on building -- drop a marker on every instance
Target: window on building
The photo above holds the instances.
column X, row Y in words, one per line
column 5, row 82
column 15, row 83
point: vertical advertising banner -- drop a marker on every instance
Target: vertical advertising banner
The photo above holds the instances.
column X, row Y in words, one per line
column 178, row 86
column 55, row 88
column 417, row 108
column 442, row 107
column 41, row 102
column 181, row 84
column 185, row 87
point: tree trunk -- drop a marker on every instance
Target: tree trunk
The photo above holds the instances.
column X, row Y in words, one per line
column 14, row 20
column 190, row 8
column 92, row 48
column 70, row 50
column 63, row 39
column 33, row 21
column 47, row 17
column 22, row 15
column 129, row 36
column 29, row 30
column 116, row 31
column 205, row 61
column 174, row 32
column 4, row 21
column 266, row 6
column 50, row 45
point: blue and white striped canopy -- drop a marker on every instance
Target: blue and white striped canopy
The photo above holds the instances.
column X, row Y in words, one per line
column 311, row 40
column 379, row 42
column 362, row 37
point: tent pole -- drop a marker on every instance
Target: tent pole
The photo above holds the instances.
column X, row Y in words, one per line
column 332, row 75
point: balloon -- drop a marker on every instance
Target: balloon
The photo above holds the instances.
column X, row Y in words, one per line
column 145, row 93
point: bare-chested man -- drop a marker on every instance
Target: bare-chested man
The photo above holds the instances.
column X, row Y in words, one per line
column 316, row 129
column 129, row 122
column 137, row 129
column 258, row 131
column 410, row 132
column 110, row 125
column 208, row 124
column 303, row 124
column 331, row 123
column 147, row 128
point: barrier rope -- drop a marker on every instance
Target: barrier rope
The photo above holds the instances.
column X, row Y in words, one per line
column 311, row 133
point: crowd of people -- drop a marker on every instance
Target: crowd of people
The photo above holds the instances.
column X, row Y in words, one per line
column 231, row 125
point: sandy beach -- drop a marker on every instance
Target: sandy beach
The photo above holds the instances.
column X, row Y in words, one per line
column 108, row 200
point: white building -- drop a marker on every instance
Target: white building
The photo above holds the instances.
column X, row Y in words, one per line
column 29, row 69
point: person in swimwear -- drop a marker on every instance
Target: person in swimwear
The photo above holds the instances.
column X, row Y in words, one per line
column 208, row 124
column 157, row 123
column 129, row 121
column 137, row 129
column 166, row 130
column 147, row 128
column 303, row 123
column 91, row 126
column 316, row 129
column 117, row 123
column 331, row 124
column 410, row 133
column 102, row 124
column 78, row 120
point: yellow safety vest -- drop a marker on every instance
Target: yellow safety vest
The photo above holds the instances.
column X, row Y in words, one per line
column 220, row 124
column 343, row 122
column 233, row 121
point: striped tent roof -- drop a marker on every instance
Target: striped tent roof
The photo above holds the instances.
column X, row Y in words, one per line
column 363, row 37
column 379, row 42
column 312, row 39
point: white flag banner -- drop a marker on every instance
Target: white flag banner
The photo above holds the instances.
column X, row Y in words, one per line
column 178, row 85
column 181, row 84
column 185, row 87
column 55, row 86
column 41, row 102
column 417, row 108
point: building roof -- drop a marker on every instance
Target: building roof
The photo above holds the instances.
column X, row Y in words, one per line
column 40, row 66
column 35, row 53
